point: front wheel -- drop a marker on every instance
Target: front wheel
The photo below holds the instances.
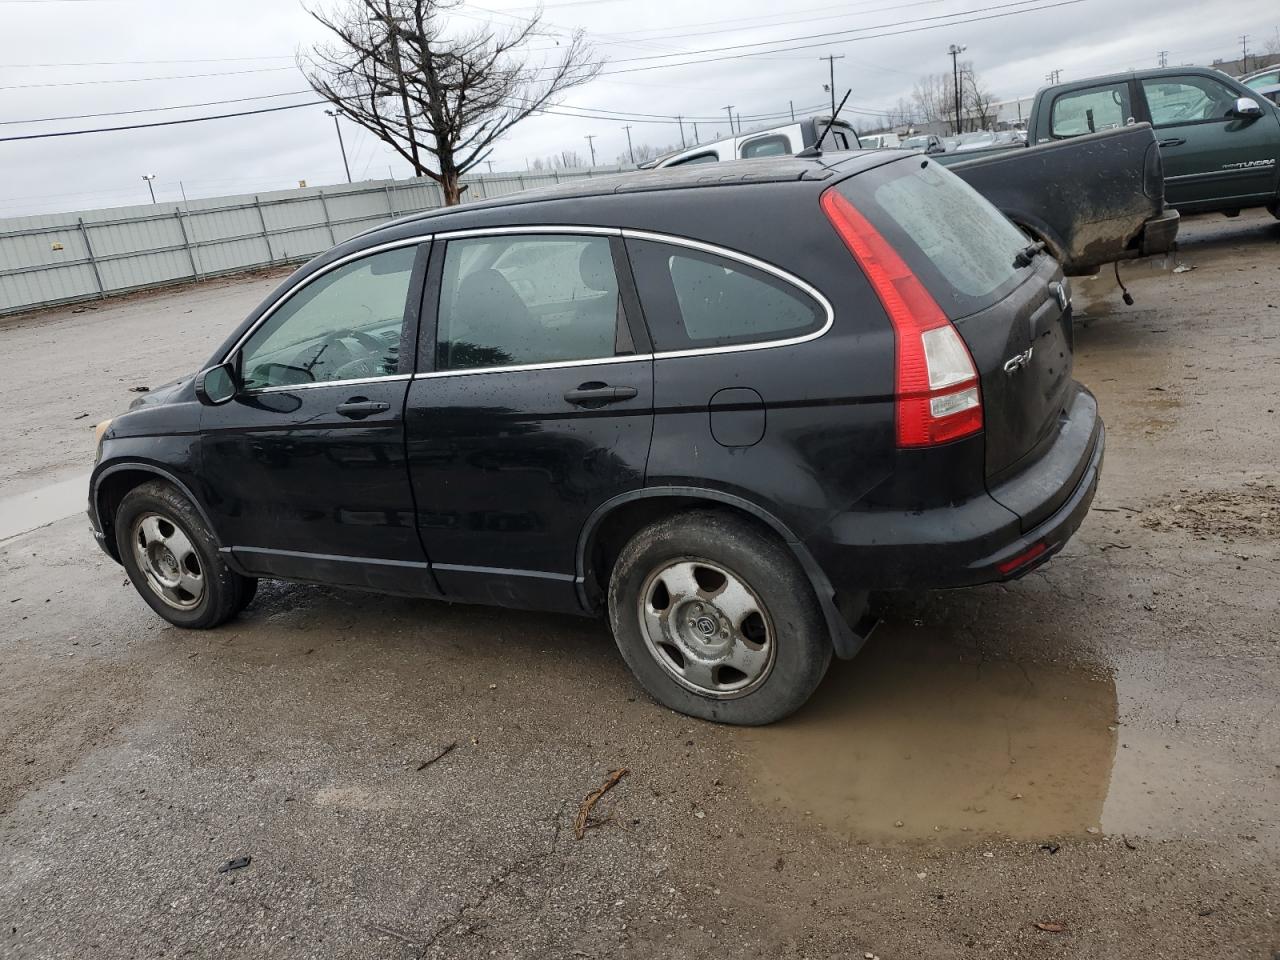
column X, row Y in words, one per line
column 717, row 620
column 173, row 561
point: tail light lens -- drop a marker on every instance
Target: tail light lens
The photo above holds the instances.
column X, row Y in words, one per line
column 936, row 383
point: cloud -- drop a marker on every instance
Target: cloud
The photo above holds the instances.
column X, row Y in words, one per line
column 273, row 151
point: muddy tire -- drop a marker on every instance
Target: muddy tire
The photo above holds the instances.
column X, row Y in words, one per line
column 716, row 619
column 173, row 560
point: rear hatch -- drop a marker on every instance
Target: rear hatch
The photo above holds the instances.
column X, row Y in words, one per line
column 1014, row 319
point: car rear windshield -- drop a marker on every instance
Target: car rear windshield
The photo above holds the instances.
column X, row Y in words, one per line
column 959, row 245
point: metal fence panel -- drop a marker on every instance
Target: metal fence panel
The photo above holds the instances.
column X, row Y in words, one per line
column 68, row 257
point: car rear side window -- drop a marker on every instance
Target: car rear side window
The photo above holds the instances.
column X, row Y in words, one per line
column 510, row 301
column 960, row 246
column 697, row 299
column 776, row 145
column 1090, row 110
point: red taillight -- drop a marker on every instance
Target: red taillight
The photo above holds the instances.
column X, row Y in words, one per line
column 936, row 383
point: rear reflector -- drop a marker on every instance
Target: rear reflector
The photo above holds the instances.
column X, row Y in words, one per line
column 1022, row 559
column 935, row 381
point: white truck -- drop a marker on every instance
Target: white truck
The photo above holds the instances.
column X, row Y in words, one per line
column 781, row 141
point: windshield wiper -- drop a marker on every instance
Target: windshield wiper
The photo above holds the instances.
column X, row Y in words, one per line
column 1028, row 253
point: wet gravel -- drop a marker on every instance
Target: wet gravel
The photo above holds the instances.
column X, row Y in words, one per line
column 1094, row 749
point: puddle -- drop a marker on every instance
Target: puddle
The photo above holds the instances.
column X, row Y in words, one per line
column 916, row 731
column 29, row 511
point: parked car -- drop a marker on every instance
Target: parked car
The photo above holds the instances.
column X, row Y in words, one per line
column 1272, row 93
column 719, row 406
column 783, row 140
column 1091, row 200
column 1261, row 79
column 880, row 141
column 1219, row 139
column 925, row 143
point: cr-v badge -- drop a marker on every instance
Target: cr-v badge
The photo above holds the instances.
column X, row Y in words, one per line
column 1018, row 361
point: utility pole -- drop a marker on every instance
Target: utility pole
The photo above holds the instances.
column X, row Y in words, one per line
column 1164, row 58
column 490, row 163
column 831, row 63
column 394, row 28
column 1244, row 53
column 680, row 120
column 792, row 105
column 1053, row 77
column 591, row 142
column 955, row 50
column 149, row 177
column 341, row 146
column 729, row 110
column 627, row 127
column 695, row 132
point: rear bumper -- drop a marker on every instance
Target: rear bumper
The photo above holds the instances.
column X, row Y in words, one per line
column 1159, row 233
column 970, row 543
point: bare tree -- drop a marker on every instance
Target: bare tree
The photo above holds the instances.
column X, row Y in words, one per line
column 440, row 98
column 978, row 103
column 933, row 98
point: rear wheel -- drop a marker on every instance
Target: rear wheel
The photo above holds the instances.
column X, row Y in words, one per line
column 173, row 560
column 717, row 620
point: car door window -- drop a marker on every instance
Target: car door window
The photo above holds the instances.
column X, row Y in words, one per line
column 1090, row 110
column 1177, row 100
column 511, row 301
column 772, row 146
column 704, row 300
column 344, row 325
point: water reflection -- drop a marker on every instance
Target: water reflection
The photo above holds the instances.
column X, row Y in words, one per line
column 918, row 738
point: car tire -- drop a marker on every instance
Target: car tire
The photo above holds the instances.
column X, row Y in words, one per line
column 717, row 619
column 173, row 561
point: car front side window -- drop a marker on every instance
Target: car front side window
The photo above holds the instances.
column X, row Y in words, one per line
column 513, row 301
column 344, row 325
column 1176, row 100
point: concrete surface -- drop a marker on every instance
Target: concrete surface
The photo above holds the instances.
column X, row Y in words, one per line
column 1094, row 748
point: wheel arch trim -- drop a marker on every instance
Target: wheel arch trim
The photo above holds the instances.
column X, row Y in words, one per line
column 843, row 637
column 141, row 466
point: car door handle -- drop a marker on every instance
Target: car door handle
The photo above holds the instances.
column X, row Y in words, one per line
column 1172, row 142
column 357, row 408
column 599, row 394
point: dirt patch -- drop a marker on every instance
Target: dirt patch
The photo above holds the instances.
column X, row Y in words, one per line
column 54, row 715
column 1250, row 512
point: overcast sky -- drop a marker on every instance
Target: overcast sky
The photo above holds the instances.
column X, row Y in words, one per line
column 52, row 55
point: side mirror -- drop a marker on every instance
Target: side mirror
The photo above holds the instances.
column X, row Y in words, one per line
column 1246, row 107
column 216, row 385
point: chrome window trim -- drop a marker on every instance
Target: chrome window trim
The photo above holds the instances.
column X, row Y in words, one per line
column 761, row 265
column 288, row 294
column 550, row 228
column 674, row 240
column 290, row 387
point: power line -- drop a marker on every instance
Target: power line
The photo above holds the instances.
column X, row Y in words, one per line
column 140, row 63
column 181, row 106
column 184, row 76
column 838, row 42
column 161, row 123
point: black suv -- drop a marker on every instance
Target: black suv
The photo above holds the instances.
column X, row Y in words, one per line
column 722, row 406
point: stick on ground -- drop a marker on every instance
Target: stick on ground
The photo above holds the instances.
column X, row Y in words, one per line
column 580, row 822
column 439, row 756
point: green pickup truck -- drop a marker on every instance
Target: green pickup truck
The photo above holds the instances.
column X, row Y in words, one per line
column 1219, row 139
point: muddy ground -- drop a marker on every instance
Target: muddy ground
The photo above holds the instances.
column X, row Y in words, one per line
column 1094, row 749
